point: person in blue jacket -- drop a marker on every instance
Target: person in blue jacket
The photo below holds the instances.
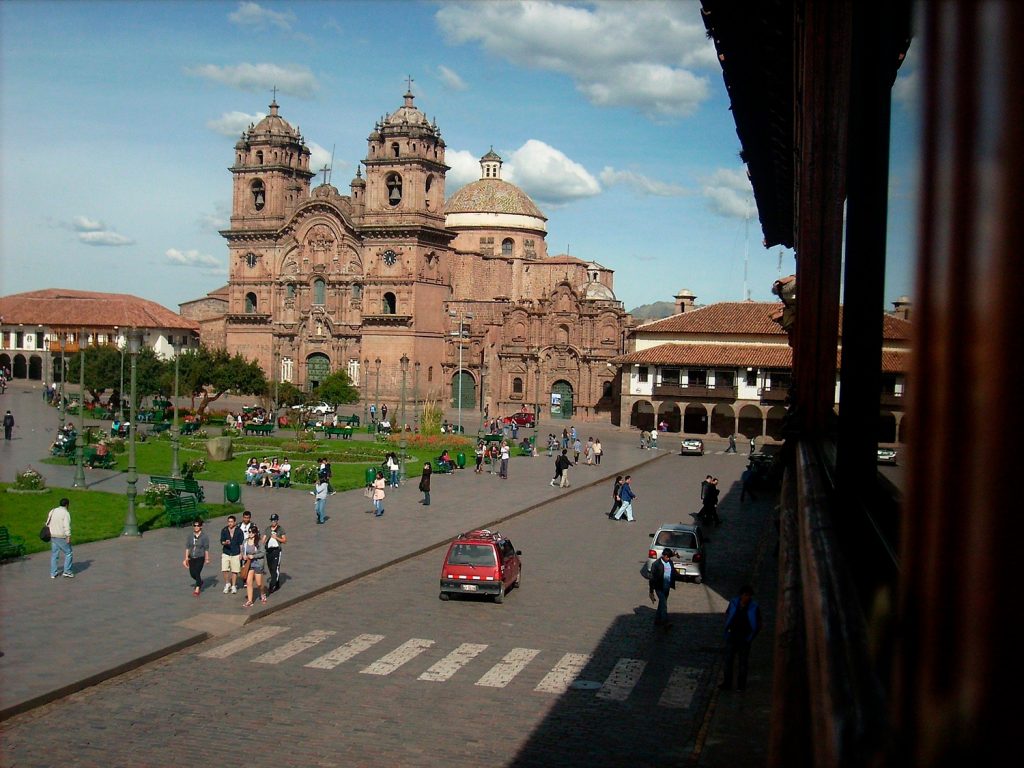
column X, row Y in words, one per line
column 742, row 623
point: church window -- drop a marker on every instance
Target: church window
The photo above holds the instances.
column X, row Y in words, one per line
column 506, row 246
column 289, row 291
column 286, row 369
column 319, row 292
column 562, row 334
column 250, row 303
column 259, row 157
column 394, row 187
column 388, row 304
column 517, row 386
column 259, row 195
column 394, row 149
column 430, row 373
column 357, row 291
column 606, row 389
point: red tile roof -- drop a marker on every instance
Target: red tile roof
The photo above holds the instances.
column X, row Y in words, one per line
column 740, row 355
column 63, row 308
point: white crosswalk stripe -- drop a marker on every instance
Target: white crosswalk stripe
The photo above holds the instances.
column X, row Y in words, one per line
column 622, row 680
column 681, row 686
column 565, row 671
column 296, row 646
column 453, row 662
column 501, row 674
column 248, row 640
column 343, row 653
column 404, row 653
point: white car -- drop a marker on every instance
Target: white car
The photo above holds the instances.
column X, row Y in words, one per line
column 321, row 407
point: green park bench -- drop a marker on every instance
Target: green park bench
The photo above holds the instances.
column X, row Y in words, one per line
column 10, row 546
column 182, row 510
column 352, row 421
column 189, row 427
column 92, row 458
column 180, row 485
column 345, row 433
column 258, row 429
column 64, row 451
column 161, row 426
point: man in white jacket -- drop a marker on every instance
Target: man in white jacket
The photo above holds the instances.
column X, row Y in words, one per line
column 59, row 523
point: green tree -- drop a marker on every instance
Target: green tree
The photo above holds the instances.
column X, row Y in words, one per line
column 103, row 372
column 288, row 395
column 210, row 373
column 337, row 389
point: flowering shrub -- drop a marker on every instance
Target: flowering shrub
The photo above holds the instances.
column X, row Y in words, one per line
column 29, row 480
column 114, row 444
column 298, row 446
column 304, row 473
column 226, row 432
column 192, row 467
column 155, row 494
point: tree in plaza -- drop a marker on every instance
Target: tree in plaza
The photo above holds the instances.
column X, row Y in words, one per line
column 210, row 373
column 337, row 389
column 103, row 372
column 288, row 395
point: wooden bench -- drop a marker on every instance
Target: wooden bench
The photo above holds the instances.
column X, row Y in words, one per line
column 10, row 546
column 258, row 429
column 182, row 510
column 180, row 486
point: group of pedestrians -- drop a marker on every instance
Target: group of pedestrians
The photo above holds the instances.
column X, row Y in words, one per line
column 246, row 554
column 709, row 501
column 622, row 499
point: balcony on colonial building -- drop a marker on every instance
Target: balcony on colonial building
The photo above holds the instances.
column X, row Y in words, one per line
column 776, row 395
column 403, row 321
column 695, row 392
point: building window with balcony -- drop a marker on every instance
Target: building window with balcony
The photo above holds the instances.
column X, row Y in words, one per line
column 696, row 378
column 670, row 376
column 751, row 377
column 642, row 374
column 725, row 379
column 19, row 340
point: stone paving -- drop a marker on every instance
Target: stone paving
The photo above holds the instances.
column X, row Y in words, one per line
column 131, row 601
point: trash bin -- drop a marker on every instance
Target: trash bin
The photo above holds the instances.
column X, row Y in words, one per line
column 371, row 475
column 460, row 460
column 232, row 492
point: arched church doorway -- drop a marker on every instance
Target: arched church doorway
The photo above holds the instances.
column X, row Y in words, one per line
column 463, row 390
column 561, row 400
column 318, row 368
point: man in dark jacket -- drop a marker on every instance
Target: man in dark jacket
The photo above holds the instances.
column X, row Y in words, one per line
column 562, row 465
column 8, row 425
column 742, row 623
column 663, row 578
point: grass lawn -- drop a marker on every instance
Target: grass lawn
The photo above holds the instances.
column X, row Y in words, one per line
column 95, row 515
column 349, row 458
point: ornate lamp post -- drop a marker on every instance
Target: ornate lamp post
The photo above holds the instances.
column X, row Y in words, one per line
column 63, row 375
column 416, row 396
column 131, row 525
column 79, row 481
column 376, row 396
column 401, row 443
column 175, row 427
column 536, row 395
column 463, row 316
column 364, row 387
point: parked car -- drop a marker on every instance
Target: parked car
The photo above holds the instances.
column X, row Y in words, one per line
column 687, row 542
column 522, row 418
column 886, row 456
column 691, row 446
column 480, row 562
column 320, row 408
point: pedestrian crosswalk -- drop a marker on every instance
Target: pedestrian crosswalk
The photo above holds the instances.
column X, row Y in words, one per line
column 465, row 661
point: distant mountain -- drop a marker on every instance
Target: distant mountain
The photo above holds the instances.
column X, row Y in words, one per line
column 655, row 311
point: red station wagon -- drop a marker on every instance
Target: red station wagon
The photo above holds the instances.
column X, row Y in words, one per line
column 480, row 563
column 522, row 418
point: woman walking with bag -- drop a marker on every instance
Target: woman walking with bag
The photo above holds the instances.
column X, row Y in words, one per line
column 378, row 495
column 425, row 483
column 197, row 554
column 253, row 564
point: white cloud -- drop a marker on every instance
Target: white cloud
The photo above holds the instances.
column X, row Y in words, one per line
column 465, row 169
column 291, row 79
column 219, row 219
column 85, row 224
column 318, row 158
column 451, row 78
column 729, row 193
column 636, row 55
column 640, row 183
column 546, row 174
column 192, row 258
column 233, row 123
column 256, row 16
column 104, row 238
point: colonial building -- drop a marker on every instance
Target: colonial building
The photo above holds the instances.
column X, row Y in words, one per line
column 37, row 327
column 464, row 291
column 727, row 368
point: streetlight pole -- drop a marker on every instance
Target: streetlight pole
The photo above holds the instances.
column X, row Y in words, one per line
column 536, row 396
column 131, row 525
column 79, row 481
column 376, row 396
column 364, row 386
column 175, row 427
column 63, row 375
column 463, row 316
column 120, row 392
column 401, row 443
column 416, row 396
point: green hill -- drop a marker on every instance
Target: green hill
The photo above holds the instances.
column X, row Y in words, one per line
column 655, row 311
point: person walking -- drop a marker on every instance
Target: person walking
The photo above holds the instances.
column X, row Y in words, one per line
column 393, row 466
column 577, row 449
column 246, row 523
column 753, row 446
column 616, row 501
column 378, row 495
column 231, row 542
column 504, row 457
column 662, row 579
column 732, row 444
column 742, row 623
column 565, row 438
column 479, row 452
column 384, row 411
column 626, row 495
column 562, row 465
column 588, row 452
column 319, row 493
column 254, row 554
column 8, row 425
column 274, row 547
column 709, row 508
column 747, row 484
column 598, row 450
column 373, row 413
column 425, row 480
column 59, row 522
column 197, row 554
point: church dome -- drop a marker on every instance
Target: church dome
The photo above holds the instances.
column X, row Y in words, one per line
column 272, row 125
column 407, row 115
column 492, row 196
column 598, row 292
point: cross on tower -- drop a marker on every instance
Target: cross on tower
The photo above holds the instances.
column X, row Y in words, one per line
column 324, row 171
column 274, row 91
column 409, row 81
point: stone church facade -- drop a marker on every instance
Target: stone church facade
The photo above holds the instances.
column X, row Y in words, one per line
column 320, row 281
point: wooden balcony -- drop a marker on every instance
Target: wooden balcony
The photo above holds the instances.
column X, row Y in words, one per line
column 249, row 318
column 394, row 321
column 695, row 393
column 777, row 395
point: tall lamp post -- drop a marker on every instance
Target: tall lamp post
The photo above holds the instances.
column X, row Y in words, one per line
column 401, row 443
column 463, row 316
column 416, row 396
column 175, row 427
column 79, row 481
column 376, row 396
column 63, row 376
column 120, row 392
column 536, row 396
column 364, row 386
column 131, row 525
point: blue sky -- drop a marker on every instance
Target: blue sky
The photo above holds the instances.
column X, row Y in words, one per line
column 117, row 122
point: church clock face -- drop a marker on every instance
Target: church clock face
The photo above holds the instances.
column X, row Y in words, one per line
column 250, row 259
column 390, row 257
